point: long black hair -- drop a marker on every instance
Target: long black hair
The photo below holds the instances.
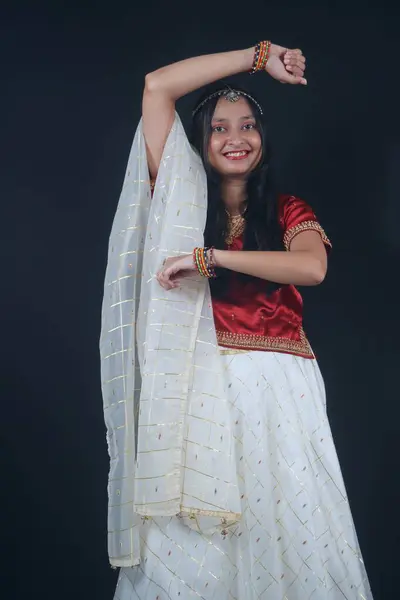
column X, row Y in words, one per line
column 262, row 231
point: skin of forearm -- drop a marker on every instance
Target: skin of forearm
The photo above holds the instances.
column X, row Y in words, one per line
column 296, row 268
column 183, row 77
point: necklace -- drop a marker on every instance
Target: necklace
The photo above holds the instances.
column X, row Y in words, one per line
column 235, row 228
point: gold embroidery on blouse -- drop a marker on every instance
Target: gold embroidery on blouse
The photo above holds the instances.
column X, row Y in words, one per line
column 305, row 226
column 250, row 341
column 236, row 226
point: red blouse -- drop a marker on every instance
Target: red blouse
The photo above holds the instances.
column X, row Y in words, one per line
column 247, row 318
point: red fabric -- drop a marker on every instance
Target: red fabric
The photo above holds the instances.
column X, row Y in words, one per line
column 292, row 211
column 247, row 310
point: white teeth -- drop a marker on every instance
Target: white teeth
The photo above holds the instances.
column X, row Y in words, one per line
column 242, row 153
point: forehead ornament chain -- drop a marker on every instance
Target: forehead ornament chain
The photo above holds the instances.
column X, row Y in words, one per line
column 230, row 95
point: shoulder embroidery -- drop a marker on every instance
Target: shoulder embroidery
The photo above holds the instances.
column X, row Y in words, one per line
column 305, row 226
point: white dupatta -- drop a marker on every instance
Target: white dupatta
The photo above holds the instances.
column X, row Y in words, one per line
column 165, row 404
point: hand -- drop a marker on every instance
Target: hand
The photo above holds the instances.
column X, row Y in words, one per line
column 287, row 66
column 174, row 269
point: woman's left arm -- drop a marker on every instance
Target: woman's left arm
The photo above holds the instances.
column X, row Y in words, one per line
column 305, row 264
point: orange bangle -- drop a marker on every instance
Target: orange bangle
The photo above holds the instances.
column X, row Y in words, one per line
column 203, row 263
column 261, row 56
column 204, row 267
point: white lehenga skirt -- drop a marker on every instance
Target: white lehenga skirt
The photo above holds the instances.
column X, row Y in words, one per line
column 296, row 538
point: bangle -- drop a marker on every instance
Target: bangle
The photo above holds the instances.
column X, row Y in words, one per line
column 212, row 260
column 261, row 56
column 203, row 263
column 196, row 261
column 209, row 258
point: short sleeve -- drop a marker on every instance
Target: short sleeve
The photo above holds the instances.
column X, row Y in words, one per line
column 296, row 216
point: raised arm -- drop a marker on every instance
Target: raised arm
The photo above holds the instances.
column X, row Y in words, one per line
column 166, row 85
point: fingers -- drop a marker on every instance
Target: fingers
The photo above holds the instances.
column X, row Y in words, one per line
column 170, row 277
column 295, row 80
column 294, row 57
column 295, row 51
column 295, row 64
column 297, row 71
column 164, row 279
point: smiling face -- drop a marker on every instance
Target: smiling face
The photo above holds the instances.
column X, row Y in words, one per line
column 235, row 147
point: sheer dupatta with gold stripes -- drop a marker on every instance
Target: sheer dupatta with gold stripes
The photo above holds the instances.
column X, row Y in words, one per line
column 164, row 390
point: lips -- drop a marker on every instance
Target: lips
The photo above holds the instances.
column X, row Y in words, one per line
column 237, row 155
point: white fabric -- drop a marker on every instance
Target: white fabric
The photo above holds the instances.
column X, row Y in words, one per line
column 199, row 440
column 165, row 402
column 296, row 538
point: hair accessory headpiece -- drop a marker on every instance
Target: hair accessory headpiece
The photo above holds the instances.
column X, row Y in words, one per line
column 230, row 95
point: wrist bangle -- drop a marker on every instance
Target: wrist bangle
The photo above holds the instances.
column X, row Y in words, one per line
column 203, row 263
column 261, row 56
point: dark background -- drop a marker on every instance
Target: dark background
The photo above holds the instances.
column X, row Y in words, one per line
column 71, row 85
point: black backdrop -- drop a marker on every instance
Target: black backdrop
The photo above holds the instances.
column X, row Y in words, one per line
column 71, row 90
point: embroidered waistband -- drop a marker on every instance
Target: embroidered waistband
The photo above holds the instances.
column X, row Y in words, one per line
column 246, row 342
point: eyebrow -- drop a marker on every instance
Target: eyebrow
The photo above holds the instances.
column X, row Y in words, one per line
column 241, row 119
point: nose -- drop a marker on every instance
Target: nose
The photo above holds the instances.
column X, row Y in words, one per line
column 236, row 136
column 235, row 140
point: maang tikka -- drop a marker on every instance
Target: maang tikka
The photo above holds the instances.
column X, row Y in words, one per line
column 230, row 95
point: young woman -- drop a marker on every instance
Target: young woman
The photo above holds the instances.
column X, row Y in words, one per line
column 224, row 480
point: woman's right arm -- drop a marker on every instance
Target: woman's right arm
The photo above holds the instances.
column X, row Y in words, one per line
column 166, row 85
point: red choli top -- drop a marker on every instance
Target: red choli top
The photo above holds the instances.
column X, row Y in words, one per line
column 247, row 318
